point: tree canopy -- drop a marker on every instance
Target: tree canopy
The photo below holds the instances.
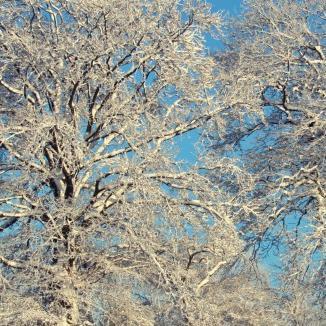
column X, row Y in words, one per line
column 101, row 223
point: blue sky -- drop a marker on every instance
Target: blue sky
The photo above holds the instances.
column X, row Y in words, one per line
column 184, row 144
column 228, row 8
column 231, row 6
